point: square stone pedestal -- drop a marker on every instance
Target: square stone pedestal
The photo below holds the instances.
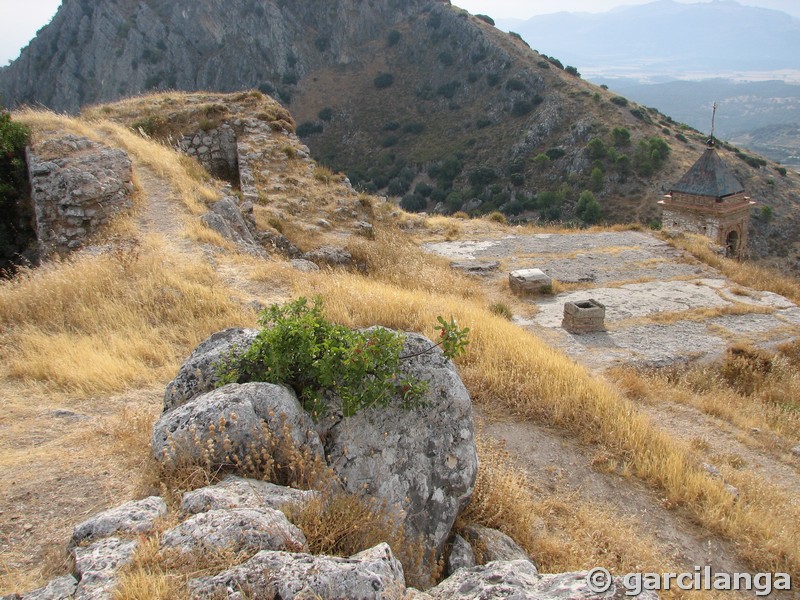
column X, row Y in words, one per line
column 584, row 316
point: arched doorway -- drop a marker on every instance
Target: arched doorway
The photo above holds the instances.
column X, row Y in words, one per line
column 732, row 243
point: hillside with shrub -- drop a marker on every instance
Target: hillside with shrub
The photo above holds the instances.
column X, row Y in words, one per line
column 91, row 340
column 419, row 101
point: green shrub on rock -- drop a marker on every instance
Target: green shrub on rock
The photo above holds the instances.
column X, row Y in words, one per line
column 299, row 348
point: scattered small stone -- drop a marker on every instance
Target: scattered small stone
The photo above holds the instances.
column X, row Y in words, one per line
column 303, row 265
column 711, row 470
column 796, row 450
column 732, row 491
column 62, row 413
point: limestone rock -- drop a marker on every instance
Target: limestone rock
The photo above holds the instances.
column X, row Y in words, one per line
column 233, row 422
column 279, row 243
column 493, row 544
column 476, row 267
column 529, row 281
column 519, row 579
column 131, row 517
column 421, row 461
column 372, row 574
column 236, row 529
column 61, row 588
column 461, row 555
column 227, row 219
column 796, row 451
column 237, row 492
column 198, row 374
column 303, row 265
column 77, row 186
column 330, row 256
column 97, row 566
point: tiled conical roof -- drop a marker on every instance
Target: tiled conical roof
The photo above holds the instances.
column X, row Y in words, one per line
column 709, row 176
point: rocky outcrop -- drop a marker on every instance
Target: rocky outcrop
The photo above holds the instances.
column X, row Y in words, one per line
column 186, row 45
column 237, row 529
column 520, row 579
column 461, row 555
column 234, row 221
column 238, row 492
column 97, row 567
column 492, row 544
column 372, row 574
column 130, row 518
column 199, row 373
column 77, row 186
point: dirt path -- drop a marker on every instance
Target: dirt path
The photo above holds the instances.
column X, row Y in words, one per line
column 559, row 462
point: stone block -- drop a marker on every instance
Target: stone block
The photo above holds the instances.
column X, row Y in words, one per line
column 529, row 281
column 584, row 316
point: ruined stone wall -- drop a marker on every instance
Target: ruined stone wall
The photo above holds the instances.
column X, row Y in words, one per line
column 77, row 186
column 215, row 149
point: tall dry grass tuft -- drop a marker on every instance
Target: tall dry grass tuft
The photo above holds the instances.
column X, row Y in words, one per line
column 95, row 324
column 748, row 387
column 394, row 259
column 341, row 524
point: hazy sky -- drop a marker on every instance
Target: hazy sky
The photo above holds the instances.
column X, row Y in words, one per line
column 20, row 19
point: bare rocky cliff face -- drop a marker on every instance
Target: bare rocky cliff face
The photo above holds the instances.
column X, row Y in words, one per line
column 415, row 99
column 95, row 51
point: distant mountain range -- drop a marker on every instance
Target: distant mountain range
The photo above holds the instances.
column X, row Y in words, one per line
column 681, row 58
column 668, row 39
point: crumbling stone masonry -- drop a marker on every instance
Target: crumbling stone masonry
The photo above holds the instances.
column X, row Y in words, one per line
column 77, row 186
column 216, row 150
column 585, row 316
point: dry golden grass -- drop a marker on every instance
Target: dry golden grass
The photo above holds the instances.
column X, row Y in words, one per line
column 561, row 530
column 701, row 315
column 199, row 232
column 157, row 575
column 743, row 273
column 189, row 112
column 106, row 323
column 511, row 370
column 749, row 388
column 393, row 259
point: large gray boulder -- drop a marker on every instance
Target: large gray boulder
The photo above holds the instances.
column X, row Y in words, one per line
column 131, row 517
column 372, row 574
column 237, row 529
column 198, row 374
column 422, row 461
column 97, row 567
column 234, row 426
column 239, row 492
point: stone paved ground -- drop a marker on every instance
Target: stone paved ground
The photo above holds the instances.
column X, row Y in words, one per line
column 662, row 306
